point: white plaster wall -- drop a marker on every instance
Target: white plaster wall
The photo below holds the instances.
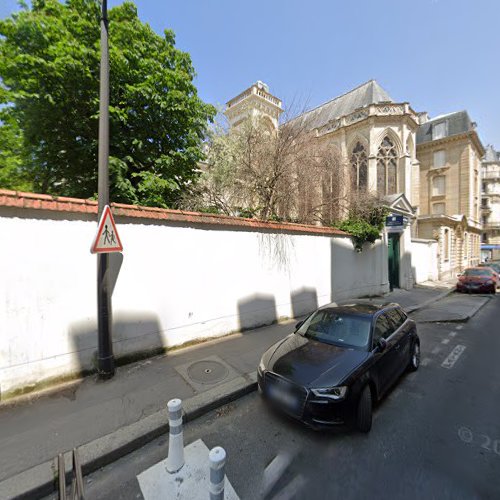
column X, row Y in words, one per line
column 176, row 284
column 424, row 256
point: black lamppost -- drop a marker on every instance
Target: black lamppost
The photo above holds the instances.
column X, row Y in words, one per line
column 105, row 359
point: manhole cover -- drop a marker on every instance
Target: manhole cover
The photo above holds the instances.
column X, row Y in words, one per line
column 207, row 372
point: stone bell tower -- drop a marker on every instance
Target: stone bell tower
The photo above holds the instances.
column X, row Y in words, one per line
column 256, row 102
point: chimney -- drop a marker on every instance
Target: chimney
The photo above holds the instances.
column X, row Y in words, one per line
column 423, row 117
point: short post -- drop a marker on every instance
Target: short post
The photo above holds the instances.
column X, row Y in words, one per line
column 175, row 459
column 217, row 459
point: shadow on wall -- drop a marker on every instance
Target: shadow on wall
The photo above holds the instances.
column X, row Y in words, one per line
column 136, row 335
column 257, row 310
column 407, row 272
column 304, row 301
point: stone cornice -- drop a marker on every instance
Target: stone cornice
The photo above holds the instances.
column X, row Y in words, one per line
column 471, row 135
column 372, row 111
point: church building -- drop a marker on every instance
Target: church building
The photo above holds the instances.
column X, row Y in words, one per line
column 378, row 137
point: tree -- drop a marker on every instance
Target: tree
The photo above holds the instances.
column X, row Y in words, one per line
column 49, row 70
column 12, row 173
column 255, row 171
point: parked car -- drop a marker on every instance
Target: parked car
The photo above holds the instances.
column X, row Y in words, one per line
column 477, row 279
column 338, row 362
column 495, row 266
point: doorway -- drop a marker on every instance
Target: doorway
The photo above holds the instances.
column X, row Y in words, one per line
column 393, row 250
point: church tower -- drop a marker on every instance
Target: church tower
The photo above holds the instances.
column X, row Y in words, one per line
column 256, row 102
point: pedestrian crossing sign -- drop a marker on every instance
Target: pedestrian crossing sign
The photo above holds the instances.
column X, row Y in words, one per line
column 106, row 240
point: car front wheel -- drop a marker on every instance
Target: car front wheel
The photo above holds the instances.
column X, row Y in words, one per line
column 415, row 357
column 364, row 411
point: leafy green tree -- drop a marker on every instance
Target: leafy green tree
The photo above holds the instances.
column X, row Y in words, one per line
column 49, row 70
column 12, row 173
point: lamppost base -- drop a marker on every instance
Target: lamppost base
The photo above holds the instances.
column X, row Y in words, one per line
column 106, row 367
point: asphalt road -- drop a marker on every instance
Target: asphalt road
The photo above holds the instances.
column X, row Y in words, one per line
column 436, row 436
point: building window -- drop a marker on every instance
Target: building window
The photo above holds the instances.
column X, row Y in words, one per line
column 387, row 180
column 438, row 131
column 467, row 242
column 438, row 185
column 446, row 244
column 439, row 159
column 438, row 208
column 359, row 168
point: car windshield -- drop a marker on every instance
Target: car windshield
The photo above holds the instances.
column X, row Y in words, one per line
column 495, row 267
column 477, row 272
column 337, row 328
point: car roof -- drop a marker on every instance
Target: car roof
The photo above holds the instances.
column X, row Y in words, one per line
column 360, row 308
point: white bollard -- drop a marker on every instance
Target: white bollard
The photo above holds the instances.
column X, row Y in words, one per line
column 175, row 459
column 217, row 459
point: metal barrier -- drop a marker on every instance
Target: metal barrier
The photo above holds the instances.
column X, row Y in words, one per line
column 217, row 460
column 76, row 481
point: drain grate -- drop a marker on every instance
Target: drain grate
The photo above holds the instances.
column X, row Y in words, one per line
column 207, row 372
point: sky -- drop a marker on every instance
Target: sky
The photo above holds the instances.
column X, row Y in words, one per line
column 439, row 55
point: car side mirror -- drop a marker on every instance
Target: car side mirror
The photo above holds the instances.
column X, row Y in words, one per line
column 299, row 324
column 382, row 344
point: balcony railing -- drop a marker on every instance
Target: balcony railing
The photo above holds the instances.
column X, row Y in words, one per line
column 491, row 175
column 492, row 225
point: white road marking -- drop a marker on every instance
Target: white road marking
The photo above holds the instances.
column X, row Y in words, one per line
column 274, row 471
column 486, row 442
column 436, row 350
column 452, row 334
column 459, row 327
column 453, row 356
column 425, row 361
column 445, row 341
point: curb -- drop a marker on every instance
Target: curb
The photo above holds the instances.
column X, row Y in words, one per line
column 42, row 480
column 463, row 319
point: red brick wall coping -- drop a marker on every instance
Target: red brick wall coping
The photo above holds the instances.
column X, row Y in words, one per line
column 18, row 199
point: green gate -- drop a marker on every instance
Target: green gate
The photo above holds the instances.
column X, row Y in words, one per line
column 393, row 246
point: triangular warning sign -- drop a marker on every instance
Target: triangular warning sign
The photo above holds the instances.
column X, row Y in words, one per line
column 106, row 240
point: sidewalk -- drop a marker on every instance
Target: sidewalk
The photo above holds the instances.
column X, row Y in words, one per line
column 109, row 419
column 418, row 297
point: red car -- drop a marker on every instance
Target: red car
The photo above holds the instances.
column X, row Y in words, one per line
column 477, row 279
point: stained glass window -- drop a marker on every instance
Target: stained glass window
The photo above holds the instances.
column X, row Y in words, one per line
column 359, row 168
column 387, row 165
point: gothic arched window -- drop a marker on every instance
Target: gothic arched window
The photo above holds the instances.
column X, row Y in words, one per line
column 359, row 168
column 387, row 167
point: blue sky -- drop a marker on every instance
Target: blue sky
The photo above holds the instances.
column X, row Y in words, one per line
column 439, row 55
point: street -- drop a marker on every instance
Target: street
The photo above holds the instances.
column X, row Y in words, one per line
column 437, row 434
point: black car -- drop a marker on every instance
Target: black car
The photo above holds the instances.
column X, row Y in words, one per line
column 339, row 361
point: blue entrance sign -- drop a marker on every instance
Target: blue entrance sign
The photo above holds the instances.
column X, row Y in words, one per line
column 394, row 220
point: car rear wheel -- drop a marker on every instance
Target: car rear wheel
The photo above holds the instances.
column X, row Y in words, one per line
column 415, row 357
column 364, row 411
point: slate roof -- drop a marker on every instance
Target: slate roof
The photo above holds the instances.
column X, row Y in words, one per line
column 367, row 93
column 456, row 123
column 491, row 154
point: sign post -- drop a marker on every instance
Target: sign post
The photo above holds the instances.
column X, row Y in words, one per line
column 106, row 239
column 105, row 359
